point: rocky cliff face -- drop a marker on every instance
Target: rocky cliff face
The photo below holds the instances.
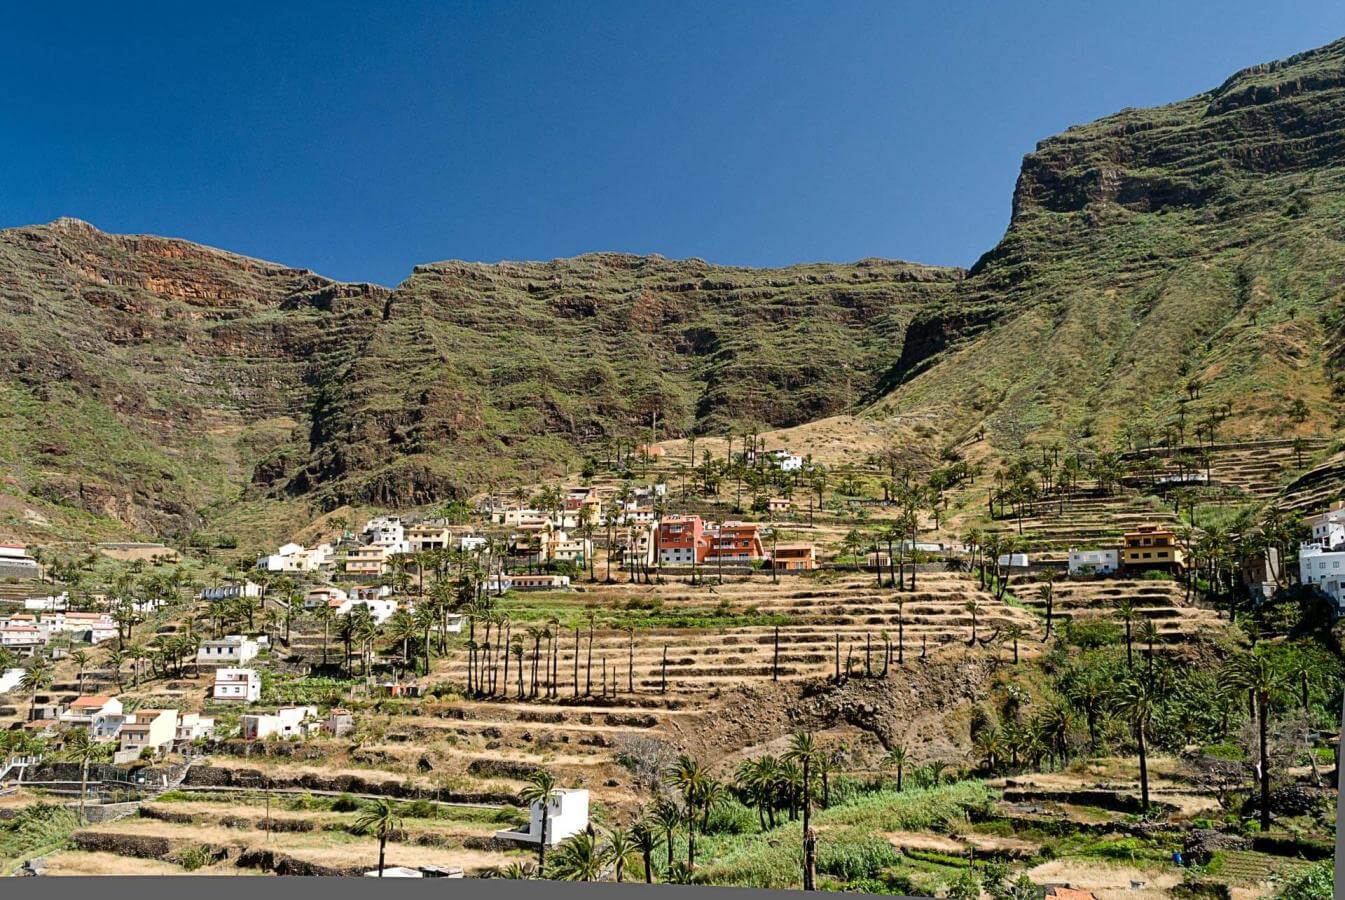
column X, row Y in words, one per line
column 142, row 377
column 1196, row 242
column 149, row 378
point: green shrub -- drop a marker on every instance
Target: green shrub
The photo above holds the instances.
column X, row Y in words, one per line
column 1312, row 883
column 865, row 858
column 732, row 817
column 194, row 857
column 345, row 803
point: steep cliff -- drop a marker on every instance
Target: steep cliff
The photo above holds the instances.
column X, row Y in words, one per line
column 1157, row 254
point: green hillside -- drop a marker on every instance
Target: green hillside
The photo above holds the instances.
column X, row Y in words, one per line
column 1161, row 265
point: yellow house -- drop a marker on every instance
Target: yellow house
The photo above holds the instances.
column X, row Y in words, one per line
column 1151, row 547
column 368, row 560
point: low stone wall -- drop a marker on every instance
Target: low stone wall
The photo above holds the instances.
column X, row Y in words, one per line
column 253, row 779
column 143, row 846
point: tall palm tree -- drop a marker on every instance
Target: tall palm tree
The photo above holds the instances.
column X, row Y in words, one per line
column 1014, row 633
column 896, row 757
column 82, row 748
column 541, row 788
column 81, row 660
column 667, row 817
column 1257, row 674
column 379, row 817
column 646, row 836
column 1125, row 608
column 692, row 780
column 37, row 677
column 803, row 750
column 1137, row 699
column 973, row 606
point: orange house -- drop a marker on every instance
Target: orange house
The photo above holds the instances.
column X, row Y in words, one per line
column 736, row 542
column 795, row 557
column 682, row 541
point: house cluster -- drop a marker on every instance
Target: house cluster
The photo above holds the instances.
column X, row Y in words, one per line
column 28, row 630
column 1321, row 558
column 294, row 723
column 691, row 541
column 140, row 734
column 1147, row 548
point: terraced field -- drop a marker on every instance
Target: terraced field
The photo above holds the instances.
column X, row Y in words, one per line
column 1161, row 602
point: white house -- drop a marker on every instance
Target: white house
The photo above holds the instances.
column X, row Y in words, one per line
column 232, row 591
column 1094, row 562
column 567, row 815
column 21, row 636
column 332, row 596
column 296, row 558
column 380, row 610
column 1013, row 561
column 387, row 532
column 1323, row 569
column 234, row 684
column 191, row 726
column 16, row 563
column 286, row 722
column 1328, row 528
column 95, row 712
column 233, row 650
column 146, row 732
column 58, row 603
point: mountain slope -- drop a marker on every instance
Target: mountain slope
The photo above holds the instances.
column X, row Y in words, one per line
column 143, row 378
column 480, row 372
column 1197, row 242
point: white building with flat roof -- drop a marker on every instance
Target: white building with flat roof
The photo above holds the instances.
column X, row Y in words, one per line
column 237, row 685
column 233, row 650
column 1094, row 562
column 232, row 591
column 567, row 815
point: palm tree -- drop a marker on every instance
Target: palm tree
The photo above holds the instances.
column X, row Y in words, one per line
column 37, row 676
column 973, row 606
column 82, row 748
column 1014, row 634
column 541, row 789
column 1125, row 608
column 379, row 817
column 115, row 659
column 1137, row 699
column 402, row 629
column 691, row 778
column 1046, row 593
column 619, row 852
column 81, row 659
column 578, row 858
column 324, row 612
column 667, row 817
column 896, row 757
column 1258, row 675
column 803, row 750
column 646, row 837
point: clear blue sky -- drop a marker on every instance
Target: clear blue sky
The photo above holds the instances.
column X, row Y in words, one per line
column 361, row 139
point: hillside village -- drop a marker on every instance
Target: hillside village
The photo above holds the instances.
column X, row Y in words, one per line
column 665, row 651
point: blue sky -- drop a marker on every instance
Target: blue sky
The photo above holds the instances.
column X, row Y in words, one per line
column 361, row 139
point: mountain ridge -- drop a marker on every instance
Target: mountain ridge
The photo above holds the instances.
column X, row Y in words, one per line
column 1161, row 267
